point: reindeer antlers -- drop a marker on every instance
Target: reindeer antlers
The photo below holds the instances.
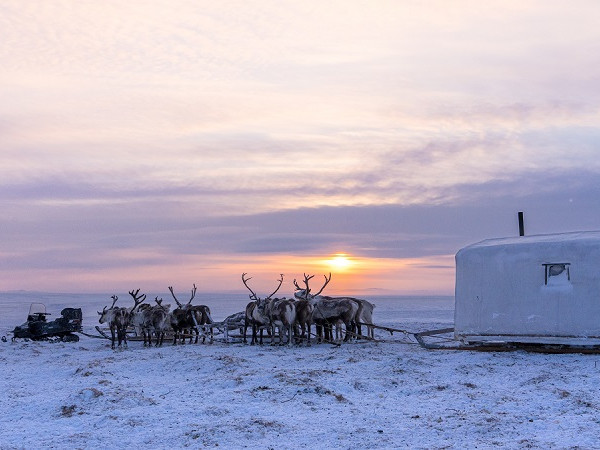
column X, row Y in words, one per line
column 159, row 303
column 245, row 281
column 115, row 298
column 280, row 282
column 253, row 295
column 189, row 301
column 193, row 294
column 137, row 299
column 307, row 278
column 327, row 280
column 176, row 301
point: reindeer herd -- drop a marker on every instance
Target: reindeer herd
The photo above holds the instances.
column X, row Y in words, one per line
column 286, row 321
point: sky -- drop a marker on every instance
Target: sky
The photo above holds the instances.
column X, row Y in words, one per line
column 166, row 143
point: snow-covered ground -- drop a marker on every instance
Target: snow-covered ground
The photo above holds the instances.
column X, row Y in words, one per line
column 389, row 394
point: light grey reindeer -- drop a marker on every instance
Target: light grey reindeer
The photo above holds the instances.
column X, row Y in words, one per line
column 256, row 313
column 118, row 320
column 282, row 314
column 159, row 321
column 139, row 318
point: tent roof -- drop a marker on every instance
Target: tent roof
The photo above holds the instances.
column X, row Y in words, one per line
column 579, row 236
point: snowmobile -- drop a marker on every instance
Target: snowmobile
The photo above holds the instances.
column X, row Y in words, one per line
column 37, row 328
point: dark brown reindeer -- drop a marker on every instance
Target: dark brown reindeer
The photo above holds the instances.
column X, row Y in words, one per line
column 191, row 318
column 184, row 319
column 118, row 320
column 329, row 311
column 256, row 315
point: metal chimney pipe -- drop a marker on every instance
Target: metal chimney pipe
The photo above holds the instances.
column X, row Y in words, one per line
column 521, row 224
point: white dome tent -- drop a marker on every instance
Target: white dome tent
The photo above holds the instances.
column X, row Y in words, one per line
column 541, row 289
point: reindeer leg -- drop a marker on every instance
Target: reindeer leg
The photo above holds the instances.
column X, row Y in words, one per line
column 112, row 337
column 348, row 327
column 327, row 332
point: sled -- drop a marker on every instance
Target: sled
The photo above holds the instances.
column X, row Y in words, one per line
column 440, row 340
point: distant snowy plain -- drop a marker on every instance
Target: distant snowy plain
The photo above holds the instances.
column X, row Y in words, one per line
column 389, row 394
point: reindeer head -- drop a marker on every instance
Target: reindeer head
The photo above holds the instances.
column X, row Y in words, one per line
column 253, row 296
column 165, row 308
column 261, row 303
column 106, row 311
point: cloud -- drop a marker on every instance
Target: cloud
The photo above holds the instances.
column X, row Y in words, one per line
column 561, row 202
column 390, row 130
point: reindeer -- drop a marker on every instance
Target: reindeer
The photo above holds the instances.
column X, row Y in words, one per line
column 159, row 321
column 254, row 318
column 365, row 317
column 282, row 314
column 329, row 311
column 204, row 319
column 304, row 314
column 184, row 318
column 256, row 314
column 118, row 320
column 138, row 319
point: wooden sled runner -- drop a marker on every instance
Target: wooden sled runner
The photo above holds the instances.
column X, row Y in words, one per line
column 440, row 340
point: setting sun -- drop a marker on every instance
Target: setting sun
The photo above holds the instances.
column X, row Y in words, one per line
column 340, row 262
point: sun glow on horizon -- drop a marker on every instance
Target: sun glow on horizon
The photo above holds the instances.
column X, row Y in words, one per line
column 340, row 262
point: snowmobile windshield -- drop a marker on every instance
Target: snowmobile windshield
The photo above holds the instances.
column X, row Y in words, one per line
column 37, row 308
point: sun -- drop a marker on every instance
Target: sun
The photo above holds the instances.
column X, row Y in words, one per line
column 340, row 262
